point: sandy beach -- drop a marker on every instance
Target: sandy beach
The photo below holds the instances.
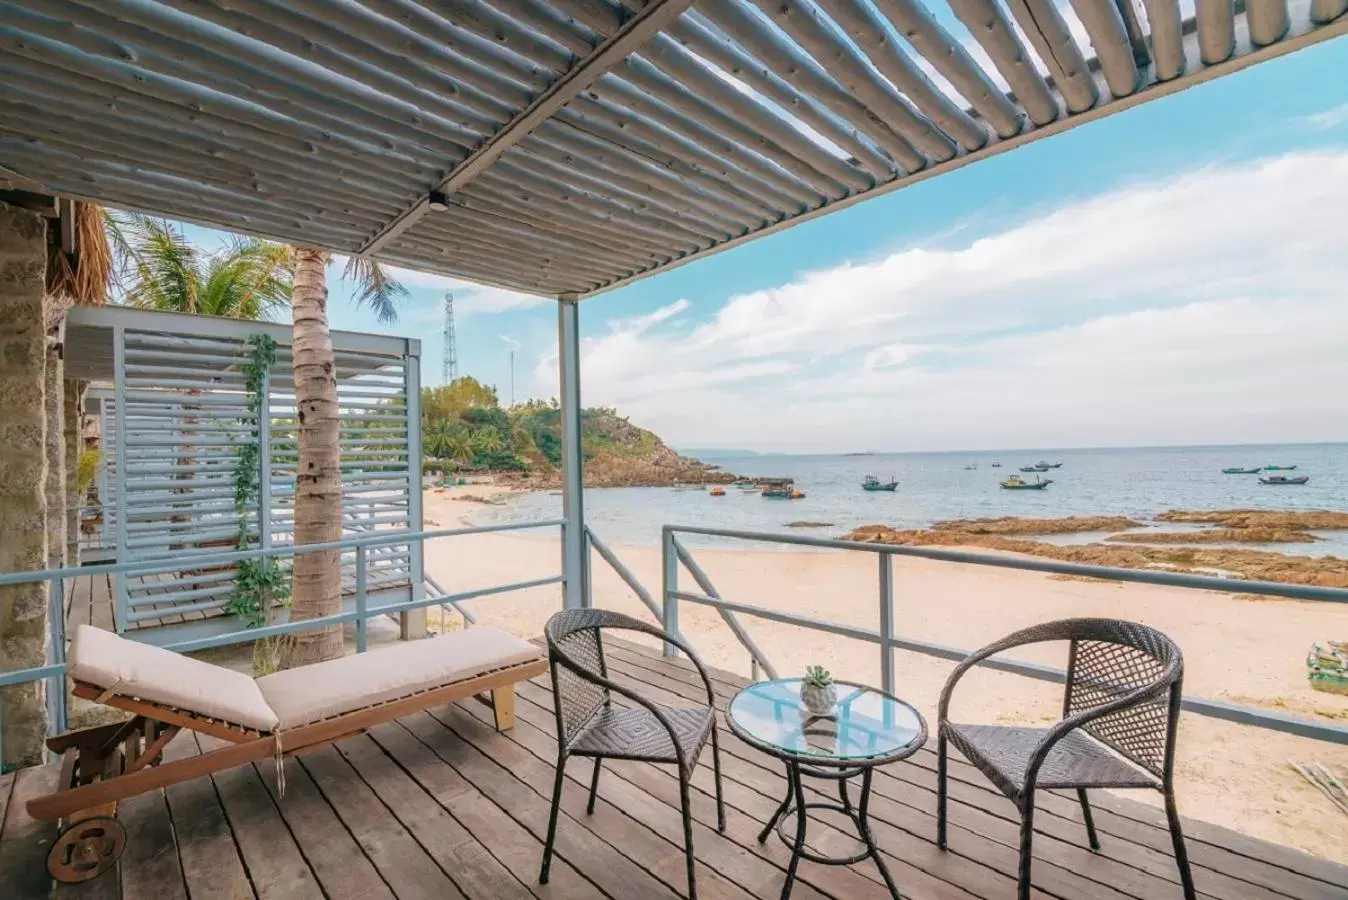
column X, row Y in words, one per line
column 1240, row 650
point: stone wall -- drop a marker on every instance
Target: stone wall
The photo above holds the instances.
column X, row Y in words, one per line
column 23, row 477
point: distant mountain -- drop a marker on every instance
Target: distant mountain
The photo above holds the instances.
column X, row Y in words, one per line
column 723, row 453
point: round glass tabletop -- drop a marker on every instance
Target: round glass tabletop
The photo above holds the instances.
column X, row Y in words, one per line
column 865, row 724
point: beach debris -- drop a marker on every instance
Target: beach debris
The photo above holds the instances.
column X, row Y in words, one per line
column 1326, row 781
column 1327, row 667
column 488, row 501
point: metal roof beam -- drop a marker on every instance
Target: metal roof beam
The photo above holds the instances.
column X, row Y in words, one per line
column 630, row 36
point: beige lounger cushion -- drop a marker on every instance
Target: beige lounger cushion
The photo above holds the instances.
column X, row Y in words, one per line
column 133, row 669
column 326, row 689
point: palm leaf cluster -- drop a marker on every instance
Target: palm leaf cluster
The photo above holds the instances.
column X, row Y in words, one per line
column 155, row 266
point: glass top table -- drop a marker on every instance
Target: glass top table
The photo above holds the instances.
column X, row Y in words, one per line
column 864, row 730
column 869, row 726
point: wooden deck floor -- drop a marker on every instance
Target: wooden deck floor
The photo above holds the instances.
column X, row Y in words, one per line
column 440, row 805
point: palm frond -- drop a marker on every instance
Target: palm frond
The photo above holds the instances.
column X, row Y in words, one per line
column 375, row 287
column 82, row 278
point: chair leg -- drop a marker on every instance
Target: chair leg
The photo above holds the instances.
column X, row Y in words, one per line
column 941, row 751
column 594, row 785
column 687, row 831
column 552, row 819
column 1181, row 854
column 716, row 772
column 1090, row 821
column 1026, row 845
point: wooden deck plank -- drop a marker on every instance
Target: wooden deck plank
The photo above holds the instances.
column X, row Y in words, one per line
column 275, row 865
column 645, row 829
column 210, row 859
column 403, row 864
column 24, row 841
column 101, row 602
column 508, row 841
column 337, row 860
column 150, row 865
column 476, row 873
column 614, row 873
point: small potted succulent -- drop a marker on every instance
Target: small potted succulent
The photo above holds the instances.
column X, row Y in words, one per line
column 818, row 694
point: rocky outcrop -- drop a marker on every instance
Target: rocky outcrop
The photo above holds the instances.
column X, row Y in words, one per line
column 620, row 454
column 1298, row 519
column 1011, row 525
column 1257, row 565
column 1218, row 536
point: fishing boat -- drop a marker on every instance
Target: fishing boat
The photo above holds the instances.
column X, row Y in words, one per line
column 1279, row 468
column 1284, row 479
column 1237, row 470
column 690, row 487
column 718, row 492
column 996, row 465
column 970, row 467
column 1035, row 468
column 875, row 484
column 1045, row 466
column 779, row 489
column 1016, row 483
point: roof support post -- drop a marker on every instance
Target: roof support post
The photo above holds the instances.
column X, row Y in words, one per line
column 575, row 546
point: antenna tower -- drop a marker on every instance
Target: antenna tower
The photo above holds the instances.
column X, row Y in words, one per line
column 449, row 368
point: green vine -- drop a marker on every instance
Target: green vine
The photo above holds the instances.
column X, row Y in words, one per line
column 259, row 583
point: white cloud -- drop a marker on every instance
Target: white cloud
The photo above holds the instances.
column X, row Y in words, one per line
column 1329, row 119
column 1209, row 306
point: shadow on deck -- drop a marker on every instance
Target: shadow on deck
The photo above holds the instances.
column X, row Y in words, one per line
column 441, row 805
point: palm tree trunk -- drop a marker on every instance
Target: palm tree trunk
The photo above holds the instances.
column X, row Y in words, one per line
column 316, row 588
column 23, row 477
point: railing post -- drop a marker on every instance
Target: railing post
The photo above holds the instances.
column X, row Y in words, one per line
column 887, row 622
column 669, row 560
column 56, row 692
column 360, row 599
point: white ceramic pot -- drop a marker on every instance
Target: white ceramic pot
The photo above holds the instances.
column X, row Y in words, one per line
column 820, row 701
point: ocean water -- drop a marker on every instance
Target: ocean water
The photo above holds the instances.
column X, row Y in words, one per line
column 1136, row 482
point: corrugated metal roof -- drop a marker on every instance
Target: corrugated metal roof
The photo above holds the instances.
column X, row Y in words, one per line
column 564, row 147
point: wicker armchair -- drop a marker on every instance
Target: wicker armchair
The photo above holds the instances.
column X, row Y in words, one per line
column 589, row 724
column 1120, row 711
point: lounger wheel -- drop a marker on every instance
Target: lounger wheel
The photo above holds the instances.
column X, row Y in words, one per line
column 86, row 849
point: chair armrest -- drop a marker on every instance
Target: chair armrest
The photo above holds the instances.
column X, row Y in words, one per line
column 1011, row 641
column 628, row 623
column 1071, row 723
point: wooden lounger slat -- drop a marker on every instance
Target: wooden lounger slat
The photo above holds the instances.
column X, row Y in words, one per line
column 247, row 746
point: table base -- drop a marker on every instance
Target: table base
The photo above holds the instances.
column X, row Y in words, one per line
column 795, row 802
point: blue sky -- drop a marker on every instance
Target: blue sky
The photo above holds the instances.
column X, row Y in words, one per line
column 1173, row 274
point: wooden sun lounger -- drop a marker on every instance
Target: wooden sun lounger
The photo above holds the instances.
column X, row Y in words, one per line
column 105, row 764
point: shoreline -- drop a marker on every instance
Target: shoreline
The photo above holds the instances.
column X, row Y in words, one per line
column 1239, row 649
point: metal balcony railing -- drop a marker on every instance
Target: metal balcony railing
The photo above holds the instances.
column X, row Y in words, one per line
column 675, row 554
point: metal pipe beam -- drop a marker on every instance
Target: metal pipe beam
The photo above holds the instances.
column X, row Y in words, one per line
column 638, row 29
